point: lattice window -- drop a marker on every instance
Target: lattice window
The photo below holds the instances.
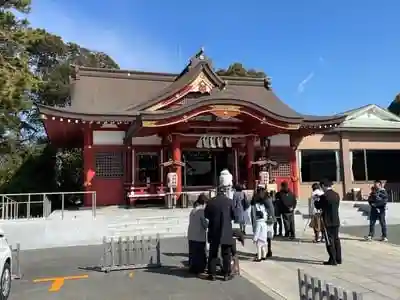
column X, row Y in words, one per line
column 283, row 169
column 109, row 164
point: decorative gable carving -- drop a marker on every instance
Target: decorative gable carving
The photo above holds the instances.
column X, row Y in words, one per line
column 200, row 86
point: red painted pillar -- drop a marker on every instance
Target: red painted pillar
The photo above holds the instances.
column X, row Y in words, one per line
column 294, row 172
column 177, row 156
column 249, row 159
column 88, row 163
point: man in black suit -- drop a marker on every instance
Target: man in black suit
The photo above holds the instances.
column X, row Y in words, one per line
column 219, row 212
column 287, row 204
column 329, row 204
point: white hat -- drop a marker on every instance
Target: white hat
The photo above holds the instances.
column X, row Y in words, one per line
column 225, row 178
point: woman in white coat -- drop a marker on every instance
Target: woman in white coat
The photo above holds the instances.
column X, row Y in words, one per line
column 263, row 220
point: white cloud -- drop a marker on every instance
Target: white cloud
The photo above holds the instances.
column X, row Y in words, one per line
column 302, row 85
column 130, row 48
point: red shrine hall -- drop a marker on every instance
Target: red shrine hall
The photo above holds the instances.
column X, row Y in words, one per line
column 135, row 127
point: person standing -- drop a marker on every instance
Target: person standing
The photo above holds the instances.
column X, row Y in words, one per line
column 377, row 200
column 262, row 222
column 240, row 205
column 315, row 223
column 220, row 214
column 197, row 232
column 288, row 203
column 278, row 225
column 329, row 205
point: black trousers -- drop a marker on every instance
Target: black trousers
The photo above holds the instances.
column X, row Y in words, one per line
column 226, row 253
column 197, row 256
column 333, row 246
column 278, row 226
column 288, row 222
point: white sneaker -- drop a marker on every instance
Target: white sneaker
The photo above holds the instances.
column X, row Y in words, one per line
column 368, row 238
column 384, row 239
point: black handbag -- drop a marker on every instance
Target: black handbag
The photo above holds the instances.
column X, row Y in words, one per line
column 259, row 214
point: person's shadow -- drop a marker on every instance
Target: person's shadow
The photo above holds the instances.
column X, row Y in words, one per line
column 251, row 256
column 171, row 271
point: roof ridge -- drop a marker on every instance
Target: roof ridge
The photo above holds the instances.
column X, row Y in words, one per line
column 122, row 71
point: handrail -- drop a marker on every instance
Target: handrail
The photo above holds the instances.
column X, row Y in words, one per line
column 50, row 193
column 10, row 208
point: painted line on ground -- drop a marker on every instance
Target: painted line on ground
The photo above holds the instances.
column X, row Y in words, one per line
column 58, row 282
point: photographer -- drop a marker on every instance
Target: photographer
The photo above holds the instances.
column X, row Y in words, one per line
column 377, row 200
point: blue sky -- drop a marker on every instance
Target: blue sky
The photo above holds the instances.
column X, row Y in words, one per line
column 323, row 56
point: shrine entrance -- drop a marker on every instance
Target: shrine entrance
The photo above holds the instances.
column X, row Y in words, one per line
column 203, row 166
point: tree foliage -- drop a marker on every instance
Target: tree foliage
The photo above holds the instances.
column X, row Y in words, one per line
column 394, row 107
column 34, row 68
column 16, row 78
column 238, row 70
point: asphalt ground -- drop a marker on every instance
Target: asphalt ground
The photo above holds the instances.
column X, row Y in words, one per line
column 56, row 274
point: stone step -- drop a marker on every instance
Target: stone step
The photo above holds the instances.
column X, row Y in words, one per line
column 150, row 232
column 159, row 221
column 135, row 227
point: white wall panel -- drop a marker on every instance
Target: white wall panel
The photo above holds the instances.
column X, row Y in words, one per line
column 108, row 137
column 146, row 140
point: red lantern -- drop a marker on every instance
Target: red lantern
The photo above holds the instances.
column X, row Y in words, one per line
column 89, row 177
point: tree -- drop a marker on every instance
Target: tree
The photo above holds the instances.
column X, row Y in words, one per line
column 16, row 79
column 34, row 68
column 394, row 107
column 16, row 83
column 238, row 70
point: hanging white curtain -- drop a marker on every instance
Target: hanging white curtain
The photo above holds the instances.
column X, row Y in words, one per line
column 351, row 165
column 337, row 158
column 298, row 156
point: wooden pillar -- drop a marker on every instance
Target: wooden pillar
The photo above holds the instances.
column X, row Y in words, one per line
column 294, row 172
column 177, row 156
column 88, row 163
column 249, row 159
column 235, row 165
column 128, row 164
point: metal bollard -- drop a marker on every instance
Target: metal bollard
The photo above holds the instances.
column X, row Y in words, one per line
column 16, row 263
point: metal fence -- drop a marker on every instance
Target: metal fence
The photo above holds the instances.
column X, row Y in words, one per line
column 172, row 200
column 16, row 262
column 41, row 205
column 128, row 253
column 311, row 288
column 394, row 195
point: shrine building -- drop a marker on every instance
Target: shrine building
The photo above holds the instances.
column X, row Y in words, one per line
column 131, row 124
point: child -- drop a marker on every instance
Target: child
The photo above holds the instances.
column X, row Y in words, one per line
column 197, row 232
column 239, row 236
column 315, row 223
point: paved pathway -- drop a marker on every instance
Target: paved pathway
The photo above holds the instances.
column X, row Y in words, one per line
column 54, row 274
column 361, row 231
column 372, row 268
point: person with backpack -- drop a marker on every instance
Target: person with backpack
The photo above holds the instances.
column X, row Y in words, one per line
column 263, row 217
column 315, row 223
column 240, row 206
